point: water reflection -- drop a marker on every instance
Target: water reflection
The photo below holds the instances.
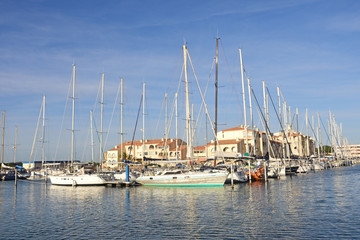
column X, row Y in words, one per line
column 320, row 205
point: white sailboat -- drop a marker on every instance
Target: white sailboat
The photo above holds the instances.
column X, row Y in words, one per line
column 79, row 178
column 185, row 178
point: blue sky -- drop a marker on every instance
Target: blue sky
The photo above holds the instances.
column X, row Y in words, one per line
column 307, row 48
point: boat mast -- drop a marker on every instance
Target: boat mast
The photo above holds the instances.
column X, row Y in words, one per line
column 282, row 129
column 297, row 130
column 314, row 136
column 92, row 136
column 43, row 134
column 289, row 129
column 244, row 103
column 206, row 136
column 188, row 116
column 73, row 117
column 16, row 133
column 267, row 131
column 286, row 129
column 176, row 125
column 216, row 93
column 166, row 136
column 101, row 118
column 307, row 134
column 318, row 136
column 252, row 119
column 143, row 130
column 320, row 139
column 266, row 121
column 121, row 117
column 2, row 145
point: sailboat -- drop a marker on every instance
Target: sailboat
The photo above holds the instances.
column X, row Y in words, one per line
column 179, row 177
column 76, row 178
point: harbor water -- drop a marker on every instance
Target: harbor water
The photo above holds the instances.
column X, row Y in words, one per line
column 323, row 204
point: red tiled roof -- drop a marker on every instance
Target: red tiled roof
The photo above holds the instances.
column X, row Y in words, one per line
column 200, row 148
column 233, row 129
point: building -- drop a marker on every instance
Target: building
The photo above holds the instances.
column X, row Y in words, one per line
column 350, row 151
column 232, row 142
column 154, row 149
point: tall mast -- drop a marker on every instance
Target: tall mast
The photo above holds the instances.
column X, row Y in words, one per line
column 252, row 119
column 288, row 135
column 280, row 116
column 320, row 138
column 285, row 128
column 166, row 136
column 314, row 136
column 297, row 130
column 307, row 134
column 73, row 117
column 16, row 133
column 266, row 120
column 121, row 117
column 216, row 92
column 188, row 116
column 143, row 129
column 267, row 131
column 2, row 145
column 92, row 136
column 101, row 118
column 206, row 136
column 244, row 103
column 176, row 125
column 43, row 134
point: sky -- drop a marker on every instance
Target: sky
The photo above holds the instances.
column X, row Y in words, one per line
column 309, row 49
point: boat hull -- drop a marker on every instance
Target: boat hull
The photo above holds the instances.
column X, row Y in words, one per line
column 77, row 180
column 184, row 180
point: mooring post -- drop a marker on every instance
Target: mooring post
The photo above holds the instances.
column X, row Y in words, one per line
column 127, row 173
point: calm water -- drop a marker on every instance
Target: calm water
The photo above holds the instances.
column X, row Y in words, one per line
column 315, row 205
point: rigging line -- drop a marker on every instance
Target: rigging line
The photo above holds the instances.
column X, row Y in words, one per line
column 85, row 146
column 112, row 114
column 160, row 114
column 231, row 78
column 97, row 133
column 137, row 119
column 206, row 88
column 264, row 123
column 330, row 140
column 277, row 115
column 325, row 130
column 97, row 96
column 313, row 131
column 36, row 131
column 63, row 119
column 203, row 101
column 173, row 105
column 174, row 69
column 292, row 121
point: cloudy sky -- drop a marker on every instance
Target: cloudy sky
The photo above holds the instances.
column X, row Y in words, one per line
column 310, row 49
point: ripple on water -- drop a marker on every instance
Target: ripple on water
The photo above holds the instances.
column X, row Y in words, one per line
column 314, row 205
